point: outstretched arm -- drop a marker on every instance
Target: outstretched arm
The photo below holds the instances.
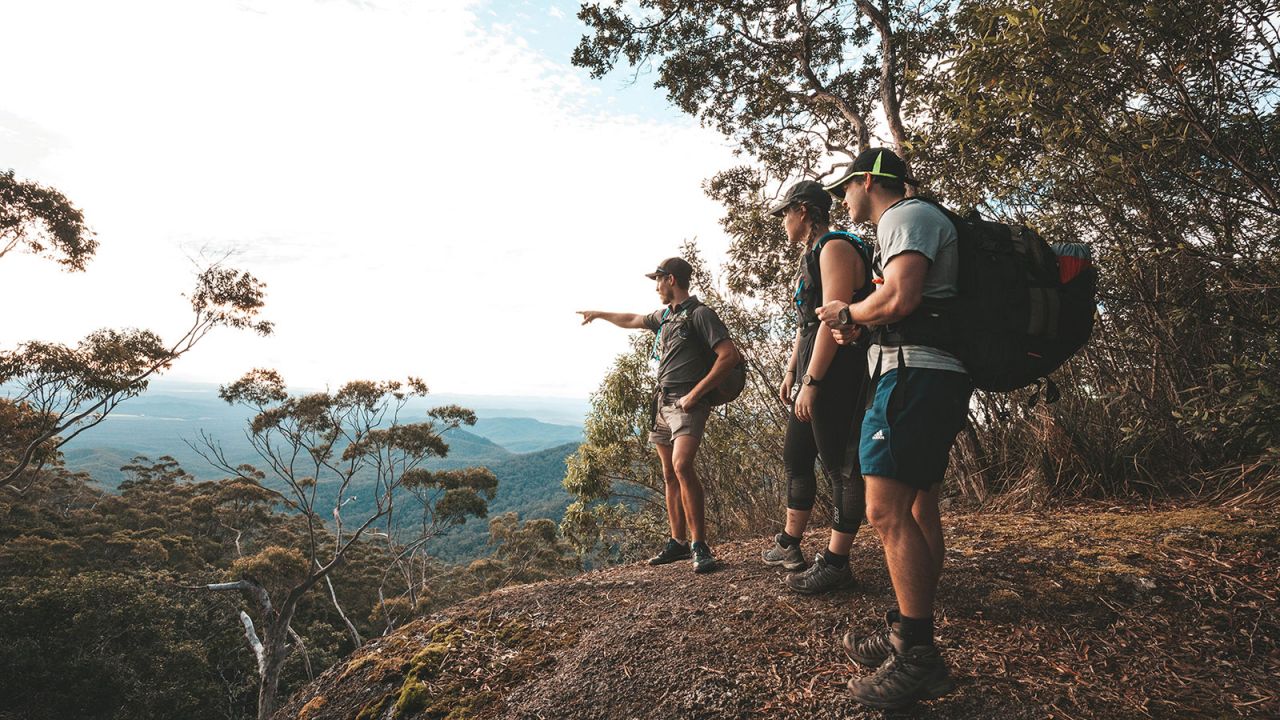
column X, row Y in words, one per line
column 630, row 321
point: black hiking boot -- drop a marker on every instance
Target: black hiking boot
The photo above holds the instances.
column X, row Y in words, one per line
column 675, row 550
column 909, row 675
column 703, row 560
column 820, row 578
column 790, row 558
column 871, row 650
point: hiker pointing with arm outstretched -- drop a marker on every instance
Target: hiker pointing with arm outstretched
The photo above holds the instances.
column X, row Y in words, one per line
column 694, row 355
column 630, row 321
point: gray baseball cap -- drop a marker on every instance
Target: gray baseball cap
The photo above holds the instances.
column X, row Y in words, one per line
column 805, row 191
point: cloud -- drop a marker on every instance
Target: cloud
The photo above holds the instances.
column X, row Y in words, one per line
column 422, row 191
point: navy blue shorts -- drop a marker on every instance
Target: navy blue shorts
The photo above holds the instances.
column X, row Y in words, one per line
column 908, row 431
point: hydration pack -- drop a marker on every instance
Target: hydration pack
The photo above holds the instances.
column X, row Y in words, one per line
column 1024, row 307
column 731, row 385
column 808, row 296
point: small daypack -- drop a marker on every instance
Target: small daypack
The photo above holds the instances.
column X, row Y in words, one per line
column 733, row 383
column 1024, row 307
column 731, row 386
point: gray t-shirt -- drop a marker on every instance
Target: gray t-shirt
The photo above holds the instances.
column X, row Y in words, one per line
column 916, row 226
column 685, row 336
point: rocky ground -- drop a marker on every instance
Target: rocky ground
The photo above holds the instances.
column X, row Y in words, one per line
column 1087, row 612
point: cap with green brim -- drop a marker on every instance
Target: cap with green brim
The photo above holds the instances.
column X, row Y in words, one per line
column 806, row 192
column 877, row 162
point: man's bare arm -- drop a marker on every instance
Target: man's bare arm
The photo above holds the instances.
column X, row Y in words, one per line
column 630, row 321
column 727, row 356
column 897, row 298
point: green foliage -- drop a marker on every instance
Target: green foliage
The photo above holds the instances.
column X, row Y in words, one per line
column 521, row 552
column 123, row 574
column 278, row 569
column 44, row 221
column 69, row 390
column 788, row 82
column 105, row 644
column 1146, row 130
column 93, row 606
column 529, row 483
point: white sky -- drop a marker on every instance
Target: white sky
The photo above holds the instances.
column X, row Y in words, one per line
column 424, row 187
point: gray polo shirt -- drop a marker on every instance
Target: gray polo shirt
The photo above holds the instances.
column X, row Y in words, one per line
column 917, row 226
column 685, row 336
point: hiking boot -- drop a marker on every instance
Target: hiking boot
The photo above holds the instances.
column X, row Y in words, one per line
column 909, row 675
column 790, row 558
column 871, row 650
column 675, row 550
column 820, row 578
column 703, row 561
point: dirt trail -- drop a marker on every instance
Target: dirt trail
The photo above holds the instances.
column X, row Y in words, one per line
column 1074, row 614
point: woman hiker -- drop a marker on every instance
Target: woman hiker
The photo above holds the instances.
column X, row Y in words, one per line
column 824, row 384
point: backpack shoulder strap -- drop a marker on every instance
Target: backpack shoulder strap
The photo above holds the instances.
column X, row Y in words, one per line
column 861, row 246
column 858, row 243
column 952, row 215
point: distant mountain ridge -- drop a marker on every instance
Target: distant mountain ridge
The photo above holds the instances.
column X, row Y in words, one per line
column 523, row 434
column 169, row 416
column 527, row 454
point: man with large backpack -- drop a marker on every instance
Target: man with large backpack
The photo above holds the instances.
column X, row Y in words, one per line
column 695, row 356
column 920, row 399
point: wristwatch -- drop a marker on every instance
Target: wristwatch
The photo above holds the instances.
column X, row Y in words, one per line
column 844, row 317
column 810, row 380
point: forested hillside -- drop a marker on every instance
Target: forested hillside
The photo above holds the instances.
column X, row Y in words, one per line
column 529, row 484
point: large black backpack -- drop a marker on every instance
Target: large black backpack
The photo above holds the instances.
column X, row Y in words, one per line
column 1021, row 312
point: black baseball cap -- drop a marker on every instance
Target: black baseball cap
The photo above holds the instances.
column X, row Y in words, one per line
column 807, row 192
column 673, row 266
column 880, row 162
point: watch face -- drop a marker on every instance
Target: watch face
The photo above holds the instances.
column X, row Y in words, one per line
column 844, row 317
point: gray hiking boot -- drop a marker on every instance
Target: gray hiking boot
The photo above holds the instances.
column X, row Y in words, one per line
column 820, row 578
column 703, row 560
column 871, row 650
column 790, row 558
column 675, row 550
column 909, row 675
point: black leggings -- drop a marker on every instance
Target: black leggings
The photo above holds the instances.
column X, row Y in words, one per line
column 831, row 436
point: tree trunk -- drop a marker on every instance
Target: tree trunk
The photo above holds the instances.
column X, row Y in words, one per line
column 276, row 651
column 269, row 684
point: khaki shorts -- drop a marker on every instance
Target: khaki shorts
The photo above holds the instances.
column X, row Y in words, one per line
column 672, row 422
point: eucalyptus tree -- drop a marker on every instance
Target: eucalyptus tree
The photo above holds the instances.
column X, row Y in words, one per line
column 349, row 464
column 40, row 220
column 1150, row 131
column 68, row 390
column 53, row 391
column 799, row 87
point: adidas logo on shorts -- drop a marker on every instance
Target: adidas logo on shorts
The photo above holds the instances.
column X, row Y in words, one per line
column 879, row 435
